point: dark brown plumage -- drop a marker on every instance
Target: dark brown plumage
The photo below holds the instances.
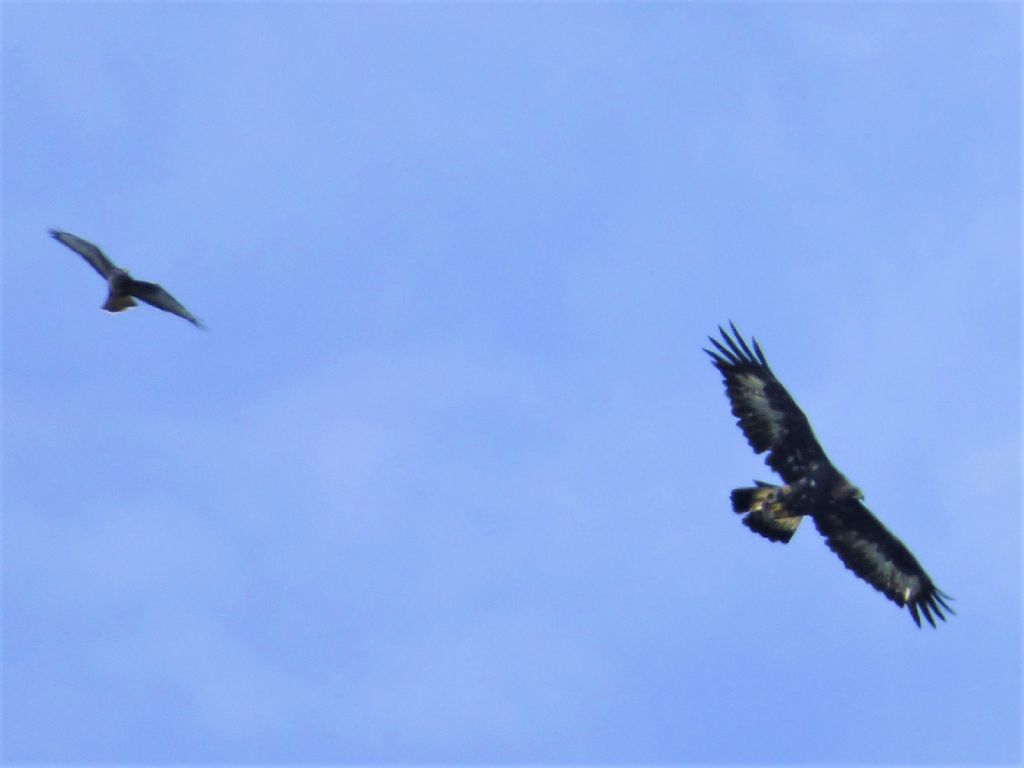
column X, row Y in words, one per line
column 773, row 423
column 122, row 287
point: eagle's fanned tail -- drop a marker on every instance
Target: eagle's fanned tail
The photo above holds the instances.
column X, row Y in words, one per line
column 764, row 512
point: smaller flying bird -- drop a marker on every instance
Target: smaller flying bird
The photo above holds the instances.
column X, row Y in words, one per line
column 771, row 421
column 122, row 286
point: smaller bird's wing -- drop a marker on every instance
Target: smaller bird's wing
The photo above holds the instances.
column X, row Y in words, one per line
column 868, row 549
column 153, row 294
column 96, row 258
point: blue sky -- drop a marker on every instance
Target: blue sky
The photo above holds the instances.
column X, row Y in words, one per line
column 447, row 480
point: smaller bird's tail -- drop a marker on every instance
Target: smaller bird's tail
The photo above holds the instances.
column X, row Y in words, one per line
column 765, row 511
column 119, row 302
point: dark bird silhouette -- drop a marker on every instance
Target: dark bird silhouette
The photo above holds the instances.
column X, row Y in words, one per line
column 122, row 287
column 772, row 422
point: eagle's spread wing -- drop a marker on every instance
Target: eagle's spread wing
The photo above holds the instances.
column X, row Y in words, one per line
column 768, row 416
column 97, row 260
column 153, row 294
column 868, row 549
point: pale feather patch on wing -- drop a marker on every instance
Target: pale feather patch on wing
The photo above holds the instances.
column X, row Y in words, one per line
column 756, row 398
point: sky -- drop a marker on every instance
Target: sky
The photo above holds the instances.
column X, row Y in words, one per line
column 447, row 478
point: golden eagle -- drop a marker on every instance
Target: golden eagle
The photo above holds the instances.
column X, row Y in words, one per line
column 121, row 286
column 772, row 421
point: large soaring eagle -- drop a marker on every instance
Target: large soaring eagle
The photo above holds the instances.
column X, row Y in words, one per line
column 121, row 286
column 772, row 421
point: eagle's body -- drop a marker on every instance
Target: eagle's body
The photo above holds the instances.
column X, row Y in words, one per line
column 122, row 288
column 813, row 487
